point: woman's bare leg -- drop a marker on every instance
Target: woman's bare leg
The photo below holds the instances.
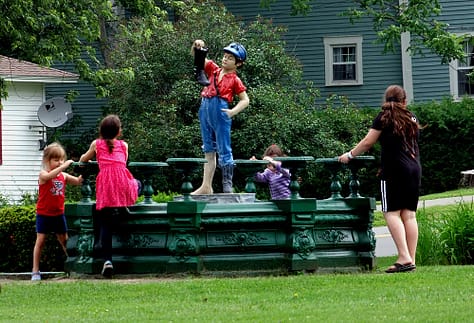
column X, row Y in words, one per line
column 397, row 230
column 411, row 231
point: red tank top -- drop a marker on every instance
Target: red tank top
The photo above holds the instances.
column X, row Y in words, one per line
column 51, row 197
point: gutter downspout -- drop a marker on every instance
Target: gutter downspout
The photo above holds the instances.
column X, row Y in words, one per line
column 406, row 61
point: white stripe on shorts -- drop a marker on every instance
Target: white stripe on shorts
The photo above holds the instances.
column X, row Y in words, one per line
column 383, row 192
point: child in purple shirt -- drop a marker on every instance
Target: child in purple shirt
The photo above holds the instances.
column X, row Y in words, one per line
column 277, row 177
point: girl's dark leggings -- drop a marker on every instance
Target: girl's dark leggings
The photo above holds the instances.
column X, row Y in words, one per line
column 108, row 218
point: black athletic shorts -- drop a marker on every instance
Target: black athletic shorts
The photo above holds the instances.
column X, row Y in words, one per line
column 399, row 195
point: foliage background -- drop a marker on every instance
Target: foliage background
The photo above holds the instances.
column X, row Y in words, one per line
column 158, row 101
column 446, row 145
column 159, row 105
column 17, row 239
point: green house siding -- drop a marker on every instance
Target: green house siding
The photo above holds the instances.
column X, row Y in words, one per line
column 431, row 79
column 305, row 39
column 87, row 108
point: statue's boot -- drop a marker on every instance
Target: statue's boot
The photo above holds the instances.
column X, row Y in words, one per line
column 199, row 60
column 227, row 174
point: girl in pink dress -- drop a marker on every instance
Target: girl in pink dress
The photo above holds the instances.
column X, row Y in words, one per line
column 115, row 186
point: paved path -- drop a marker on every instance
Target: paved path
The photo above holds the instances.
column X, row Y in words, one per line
column 385, row 247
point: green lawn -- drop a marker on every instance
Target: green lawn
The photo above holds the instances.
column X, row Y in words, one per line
column 431, row 294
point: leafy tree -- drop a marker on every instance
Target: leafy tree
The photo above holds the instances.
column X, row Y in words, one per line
column 44, row 32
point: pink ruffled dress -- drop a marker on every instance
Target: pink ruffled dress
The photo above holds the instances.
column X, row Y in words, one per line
column 115, row 185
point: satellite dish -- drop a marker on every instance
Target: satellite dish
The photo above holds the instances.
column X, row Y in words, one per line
column 54, row 112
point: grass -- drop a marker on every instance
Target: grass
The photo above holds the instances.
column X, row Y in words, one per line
column 431, row 294
column 380, row 221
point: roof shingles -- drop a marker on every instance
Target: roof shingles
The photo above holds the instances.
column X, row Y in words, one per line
column 11, row 67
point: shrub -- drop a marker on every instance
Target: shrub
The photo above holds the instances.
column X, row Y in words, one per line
column 159, row 106
column 446, row 146
column 430, row 249
column 17, row 239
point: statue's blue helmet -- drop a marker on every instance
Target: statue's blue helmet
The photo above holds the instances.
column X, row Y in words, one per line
column 238, row 50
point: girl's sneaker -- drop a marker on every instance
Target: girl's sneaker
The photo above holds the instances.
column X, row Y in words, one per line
column 36, row 276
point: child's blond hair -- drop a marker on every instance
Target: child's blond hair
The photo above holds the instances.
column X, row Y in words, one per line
column 53, row 150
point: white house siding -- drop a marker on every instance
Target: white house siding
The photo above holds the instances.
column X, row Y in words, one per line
column 21, row 132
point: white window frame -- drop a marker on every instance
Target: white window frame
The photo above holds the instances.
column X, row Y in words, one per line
column 332, row 42
column 453, row 75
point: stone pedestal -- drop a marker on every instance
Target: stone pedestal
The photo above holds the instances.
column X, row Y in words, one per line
column 467, row 178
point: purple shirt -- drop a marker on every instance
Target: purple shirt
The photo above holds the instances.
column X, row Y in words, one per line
column 278, row 181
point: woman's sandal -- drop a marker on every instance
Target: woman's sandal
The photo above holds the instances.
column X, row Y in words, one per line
column 399, row 268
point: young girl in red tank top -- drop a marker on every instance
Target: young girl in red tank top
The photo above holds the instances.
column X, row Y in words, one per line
column 50, row 206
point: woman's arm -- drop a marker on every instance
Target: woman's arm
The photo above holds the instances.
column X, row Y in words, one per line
column 365, row 144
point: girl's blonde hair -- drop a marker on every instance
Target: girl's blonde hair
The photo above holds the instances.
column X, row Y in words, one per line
column 54, row 150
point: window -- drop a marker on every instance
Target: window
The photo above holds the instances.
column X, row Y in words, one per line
column 462, row 83
column 343, row 60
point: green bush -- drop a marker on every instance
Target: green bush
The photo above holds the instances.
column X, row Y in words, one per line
column 430, row 249
column 457, row 235
column 17, row 239
column 159, row 106
column 446, row 146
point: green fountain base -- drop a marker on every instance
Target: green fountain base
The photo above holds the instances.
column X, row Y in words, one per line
column 205, row 237
column 229, row 233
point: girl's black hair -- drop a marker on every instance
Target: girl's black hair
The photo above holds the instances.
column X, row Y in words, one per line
column 109, row 129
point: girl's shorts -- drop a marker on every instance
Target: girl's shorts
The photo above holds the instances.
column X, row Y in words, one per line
column 51, row 224
column 398, row 196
